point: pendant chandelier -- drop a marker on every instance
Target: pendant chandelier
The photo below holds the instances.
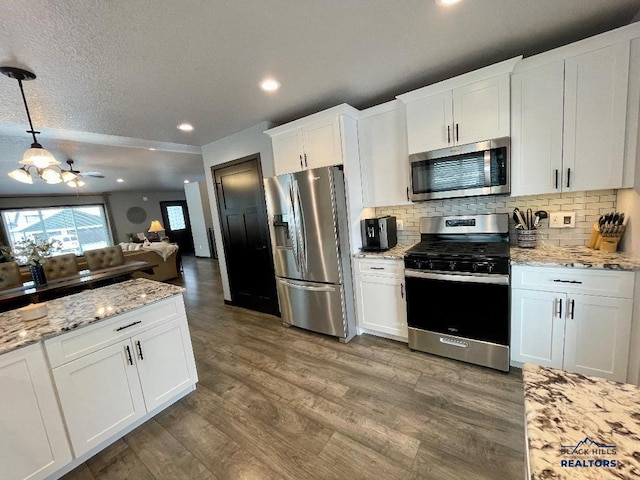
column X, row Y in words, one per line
column 36, row 161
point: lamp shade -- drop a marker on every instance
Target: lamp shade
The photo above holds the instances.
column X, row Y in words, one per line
column 21, row 175
column 38, row 157
column 156, row 226
column 51, row 176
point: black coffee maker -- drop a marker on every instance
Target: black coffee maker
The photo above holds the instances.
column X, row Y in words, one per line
column 378, row 233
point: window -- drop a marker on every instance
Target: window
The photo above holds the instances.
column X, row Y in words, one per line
column 76, row 228
column 176, row 218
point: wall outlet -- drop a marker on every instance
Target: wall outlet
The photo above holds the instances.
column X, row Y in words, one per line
column 562, row 220
column 399, row 224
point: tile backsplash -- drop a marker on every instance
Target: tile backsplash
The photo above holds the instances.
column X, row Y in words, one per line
column 588, row 206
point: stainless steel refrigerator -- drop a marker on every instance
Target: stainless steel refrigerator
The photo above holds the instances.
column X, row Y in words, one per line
column 310, row 239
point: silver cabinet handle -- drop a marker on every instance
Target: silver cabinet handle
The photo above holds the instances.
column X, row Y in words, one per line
column 124, row 327
column 305, row 160
column 140, row 356
column 559, row 308
column 568, row 281
column 457, row 133
column 573, row 308
column 568, row 177
column 448, row 133
column 402, row 290
column 301, row 166
column 377, row 268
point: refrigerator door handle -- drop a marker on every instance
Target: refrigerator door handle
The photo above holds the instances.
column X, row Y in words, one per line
column 306, row 287
column 302, row 229
column 293, row 231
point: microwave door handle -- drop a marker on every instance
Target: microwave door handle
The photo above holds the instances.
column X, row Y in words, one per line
column 487, row 168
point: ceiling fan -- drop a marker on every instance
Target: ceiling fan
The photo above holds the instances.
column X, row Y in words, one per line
column 77, row 181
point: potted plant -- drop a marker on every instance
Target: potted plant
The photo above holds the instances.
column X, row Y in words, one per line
column 33, row 251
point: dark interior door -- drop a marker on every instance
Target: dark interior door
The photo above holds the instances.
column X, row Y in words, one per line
column 175, row 219
column 243, row 216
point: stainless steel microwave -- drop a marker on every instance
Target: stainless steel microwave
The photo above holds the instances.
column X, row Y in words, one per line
column 462, row 171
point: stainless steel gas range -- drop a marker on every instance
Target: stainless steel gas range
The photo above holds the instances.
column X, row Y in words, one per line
column 457, row 282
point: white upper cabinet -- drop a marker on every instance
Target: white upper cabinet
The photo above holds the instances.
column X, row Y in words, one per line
column 310, row 142
column 466, row 109
column 536, row 129
column 569, row 118
column 383, row 155
column 595, row 118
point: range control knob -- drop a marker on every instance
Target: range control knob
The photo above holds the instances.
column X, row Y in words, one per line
column 491, row 267
column 452, row 265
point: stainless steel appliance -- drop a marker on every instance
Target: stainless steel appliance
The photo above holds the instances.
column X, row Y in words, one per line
column 457, row 283
column 378, row 233
column 462, row 171
column 309, row 234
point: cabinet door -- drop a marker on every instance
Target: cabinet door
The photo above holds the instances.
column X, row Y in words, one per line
column 165, row 362
column 430, row 123
column 537, row 98
column 322, row 144
column 481, row 110
column 287, row 152
column 384, row 159
column 33, row 443
column 381, row 305
column 595, row 118
column 597, row 336
column 537, row 327
column 100, row 395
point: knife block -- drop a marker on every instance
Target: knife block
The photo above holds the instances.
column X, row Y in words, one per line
column 605, row 244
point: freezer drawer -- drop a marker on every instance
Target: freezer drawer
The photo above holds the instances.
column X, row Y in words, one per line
column 314, row 306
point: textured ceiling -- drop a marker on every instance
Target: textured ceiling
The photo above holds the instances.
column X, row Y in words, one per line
column 138, row 68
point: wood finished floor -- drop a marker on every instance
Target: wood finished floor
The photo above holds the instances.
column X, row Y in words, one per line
column 275, row 402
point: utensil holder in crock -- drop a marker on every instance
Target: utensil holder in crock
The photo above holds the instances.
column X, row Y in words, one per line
column 526, row 238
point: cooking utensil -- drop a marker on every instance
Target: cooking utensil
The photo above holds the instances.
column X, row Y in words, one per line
column 521, row 221
column 529, row 219
column 540, row 214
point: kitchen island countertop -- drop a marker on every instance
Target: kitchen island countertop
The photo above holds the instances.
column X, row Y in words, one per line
column 567, row 412
column 574, row 257
column 395, row 253
column 74, row 311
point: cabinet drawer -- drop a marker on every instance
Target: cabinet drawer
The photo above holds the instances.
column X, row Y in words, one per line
column 605, row 283
column 75, row 344
column 382, row 267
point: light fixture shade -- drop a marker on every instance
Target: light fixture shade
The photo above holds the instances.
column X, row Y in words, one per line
column 21, row 175
column 50, row 176
column 156, row 226
column 39, row 158
column 75, row 182
column 67, row 176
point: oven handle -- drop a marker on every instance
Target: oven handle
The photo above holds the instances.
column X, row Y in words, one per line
column 477, row 278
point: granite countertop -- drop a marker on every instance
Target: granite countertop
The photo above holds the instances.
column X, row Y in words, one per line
column 576, row 257
column 578, row 425
column 395, row 253
column 81, row 309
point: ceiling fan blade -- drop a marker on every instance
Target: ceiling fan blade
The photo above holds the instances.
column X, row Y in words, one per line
column 91, row 174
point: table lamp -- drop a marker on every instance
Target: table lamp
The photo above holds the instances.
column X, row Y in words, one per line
column 155, row 228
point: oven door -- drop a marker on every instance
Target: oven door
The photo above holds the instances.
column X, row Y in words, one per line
column 469, row 306
column 464, row 317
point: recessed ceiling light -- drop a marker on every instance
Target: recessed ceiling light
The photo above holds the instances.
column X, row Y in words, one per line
column 153, row 149
column 119, row 180
column 186, row 181
column 269, row 85
column 446, row 3
column 185, row 127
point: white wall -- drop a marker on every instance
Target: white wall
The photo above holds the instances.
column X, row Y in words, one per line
column 121, row 202
column 199, row 216
column 239, row 145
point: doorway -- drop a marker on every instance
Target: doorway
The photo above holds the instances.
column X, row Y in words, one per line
column 175, row 218
column 243, row 218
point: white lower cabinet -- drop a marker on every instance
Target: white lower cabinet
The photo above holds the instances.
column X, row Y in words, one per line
column 578, row 321
column 380, row 298
column 105, row 391
column 33, row 443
